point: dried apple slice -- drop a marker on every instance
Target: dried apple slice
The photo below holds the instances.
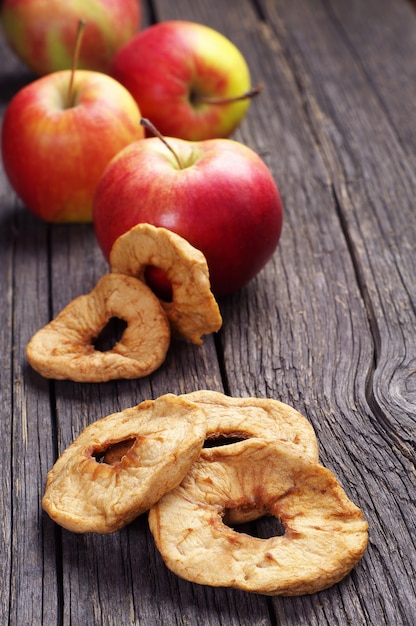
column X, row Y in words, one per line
column 64, row 349
column 230, row 419
column 153, row 446
column 193, row 311
column 325, row 534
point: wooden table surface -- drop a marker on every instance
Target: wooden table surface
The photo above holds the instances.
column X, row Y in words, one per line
column 329, row 326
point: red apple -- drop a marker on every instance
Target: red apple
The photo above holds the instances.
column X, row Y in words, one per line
column 54, row 152
column 222, row 198
column 189, row 79
column 43, row 32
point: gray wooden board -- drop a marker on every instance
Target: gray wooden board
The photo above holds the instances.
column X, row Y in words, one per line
column 327, row 326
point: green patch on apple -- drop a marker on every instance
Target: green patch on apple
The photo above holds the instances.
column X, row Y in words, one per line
column 43, row 34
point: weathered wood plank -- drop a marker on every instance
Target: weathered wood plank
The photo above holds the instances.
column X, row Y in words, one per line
column 366, row 159
column 28, row 418
column 374, row 179
column 33, row 438
column 6, row 373
column 26, row 428
column 6, row 385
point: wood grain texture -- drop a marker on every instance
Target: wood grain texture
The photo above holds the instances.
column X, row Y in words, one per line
column 327, row 326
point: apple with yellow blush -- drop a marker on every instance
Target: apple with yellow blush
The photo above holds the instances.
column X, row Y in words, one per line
column 191, row 81
column 59, row 133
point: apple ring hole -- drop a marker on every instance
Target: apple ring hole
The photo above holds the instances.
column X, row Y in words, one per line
column 265, row 527
column 110, row 334
column 214, row 440
column 114, row 453
column 157, row 280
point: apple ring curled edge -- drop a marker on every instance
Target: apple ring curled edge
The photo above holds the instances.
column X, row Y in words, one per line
column 193, row 311
column 325, row 533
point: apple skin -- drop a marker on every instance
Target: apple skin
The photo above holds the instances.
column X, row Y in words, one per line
column 167, row 64
column 54, row 155
column 224, row 201
column 42, row 33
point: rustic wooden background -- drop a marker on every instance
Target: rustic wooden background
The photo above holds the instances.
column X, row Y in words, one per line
column 328, row 326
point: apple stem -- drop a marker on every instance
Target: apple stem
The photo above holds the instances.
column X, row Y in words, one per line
column 75, row 60
column 250, row 93
column 148, row 124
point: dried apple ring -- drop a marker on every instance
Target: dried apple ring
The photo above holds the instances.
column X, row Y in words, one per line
column 193, row 311
column 64, row 349
column 230, row 419
column 325, row 534
column 157, row 441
